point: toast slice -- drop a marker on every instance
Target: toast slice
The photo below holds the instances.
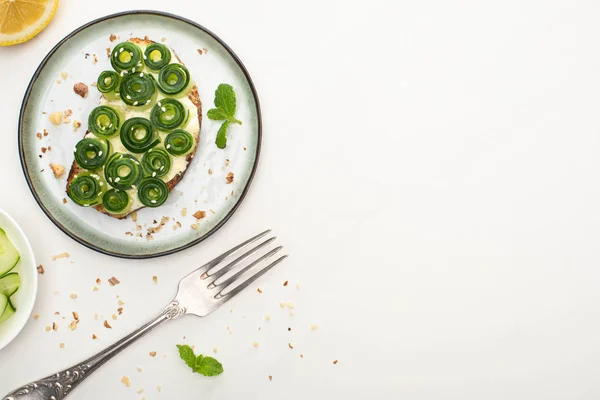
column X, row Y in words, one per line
column 194, row 97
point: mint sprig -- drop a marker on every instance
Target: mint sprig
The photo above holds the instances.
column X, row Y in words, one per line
column 206, row 366
column 225, row 103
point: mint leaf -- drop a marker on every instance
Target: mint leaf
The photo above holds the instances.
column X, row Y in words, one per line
column 225, row 103
column 208, row 366
column 187, row 354
column 221, row 140
column 225, row 99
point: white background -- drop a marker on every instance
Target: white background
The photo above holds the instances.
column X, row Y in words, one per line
column 431, row 168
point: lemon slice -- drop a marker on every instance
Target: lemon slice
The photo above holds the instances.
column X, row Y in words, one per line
column 21, row 20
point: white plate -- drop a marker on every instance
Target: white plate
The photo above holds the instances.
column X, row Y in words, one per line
column 24, row 299
column 203, row 188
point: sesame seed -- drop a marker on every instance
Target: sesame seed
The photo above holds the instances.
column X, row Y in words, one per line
column 163, row 109
column 128, row 97
column 121, row 50
column 135, row 103
column 117, row 179
column 100, row 153
column 141, row 75
column 153, row 201
column 153, row 174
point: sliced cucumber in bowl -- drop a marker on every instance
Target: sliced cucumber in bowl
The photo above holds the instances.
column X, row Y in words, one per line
column 9, row 256
column 9, row 284
column 6, row 308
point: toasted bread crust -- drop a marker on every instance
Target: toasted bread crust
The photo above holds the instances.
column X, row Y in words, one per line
column 194, row 97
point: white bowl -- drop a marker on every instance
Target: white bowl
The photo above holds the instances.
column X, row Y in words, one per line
column 24, row 299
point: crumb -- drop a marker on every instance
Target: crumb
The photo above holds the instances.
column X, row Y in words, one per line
column 152, row 354
column 95, row 288
column 258, row 290
column 94, row 337
column 57, row 313
column 62, row 345
column 64, row 200
column 129, row 233
column 138, row 227
column 120, row 302
column 183, row 212
column 215, row 350
column 289, row 304
column 289, row 329
column 139, row 369
column 66, row 115
column 281, row 304
column 40, row 269
column 158, row 387
column 39, row 135
column 200, row 51
column 268, row 318
column 81, row 89
column 58, row 81
column 210, row 171
column 155, row 279
column 205, row 50
column 227, row 162
column 113, row 281
column 112, row 37
column 75, row 316
column 164, row 39
column 195, row 226
column 244, row 149
column 95, row 58
column 114, row 317
column 199, row 214
column 270, row 378
column 48, row 328
column 58, row 170
column 178, row 224
column 56, row 292
column 291, row 346
column 140, row 390
column 297, row 286
column 285, row 283
column 76, row 125
column 134, row 216
column 126, row 381
column 98, row 281
column 44, row 149
column 212, row 211
column 73, row 325
column 107, row 325
column 335, row 362
column 94, row 84
column 64, row 75
column 45, row 133
column 255, row 344
column 54, row 326
column 313, row 327
column 36, row 316
column 56, row 118
column 291, row 314
column 229, row 178
column 73, row 296
column 96, row 317
column 301, row 355
column 108, row 52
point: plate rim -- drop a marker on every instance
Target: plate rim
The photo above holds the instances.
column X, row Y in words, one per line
column 26, row 99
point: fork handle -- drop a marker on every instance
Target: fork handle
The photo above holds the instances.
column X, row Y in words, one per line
column 60, row 384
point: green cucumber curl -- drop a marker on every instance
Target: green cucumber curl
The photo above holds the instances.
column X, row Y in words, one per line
column 138, row 135
column 108, row 81
column 179, row 142
column 104, row 121
column 156, row 162
column 116, row 201
column 126, row 56
column 168, row 114
column 90, row 153
column 137, row 89
column 157, row 56
column 86, row 189
column 123, row 171
column 152, row 192
column 173, row 79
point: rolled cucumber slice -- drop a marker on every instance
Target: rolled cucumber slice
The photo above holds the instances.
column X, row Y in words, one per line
column 7, row 308
column 9, row 256
column 9, row 284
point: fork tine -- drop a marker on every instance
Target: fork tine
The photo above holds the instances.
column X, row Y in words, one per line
column 232, row 251
column 252, row 278
column 219, row 273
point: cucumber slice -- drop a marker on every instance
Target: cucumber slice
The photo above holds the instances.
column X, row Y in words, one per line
column 7, row 308
column 9, row 256
column 9, row 284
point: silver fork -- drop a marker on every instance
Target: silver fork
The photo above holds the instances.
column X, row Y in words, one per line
column 199, row 294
